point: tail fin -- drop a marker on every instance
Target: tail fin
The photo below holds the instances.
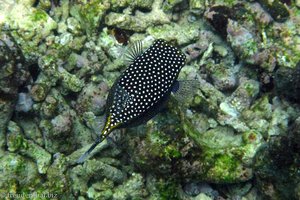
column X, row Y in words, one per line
column 106, row 130
column 83, row 157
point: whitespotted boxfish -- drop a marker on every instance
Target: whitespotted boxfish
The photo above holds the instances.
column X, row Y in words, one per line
column 143, row 88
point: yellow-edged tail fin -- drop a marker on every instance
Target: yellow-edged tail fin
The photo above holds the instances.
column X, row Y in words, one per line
column 106, row 130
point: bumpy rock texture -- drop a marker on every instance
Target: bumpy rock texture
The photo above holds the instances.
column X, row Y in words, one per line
column 236, row 122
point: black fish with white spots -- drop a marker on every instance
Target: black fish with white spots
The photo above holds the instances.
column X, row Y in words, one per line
column 142, row 89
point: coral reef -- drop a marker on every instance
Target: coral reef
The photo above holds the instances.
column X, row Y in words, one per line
column 235, row 136
column 287, row 82
column 17, row 143
column 13, row 74
column 276, row 165
column 139, row 21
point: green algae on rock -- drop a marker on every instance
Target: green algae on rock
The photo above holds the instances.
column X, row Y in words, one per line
column 182, row 34
column 89, row 14
column 34, row 26
column 19, row 174
column 225, row 155
column 82, row 174
column 13, row 74
column 133, row 188
column 17, row 143
column 129, row 22
column 50, row 67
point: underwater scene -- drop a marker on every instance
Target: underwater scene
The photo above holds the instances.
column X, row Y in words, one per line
column 150, row 99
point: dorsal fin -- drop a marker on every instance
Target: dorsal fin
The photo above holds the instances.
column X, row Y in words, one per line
column 133, row 51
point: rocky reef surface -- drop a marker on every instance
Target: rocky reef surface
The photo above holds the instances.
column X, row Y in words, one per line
column 235, row 135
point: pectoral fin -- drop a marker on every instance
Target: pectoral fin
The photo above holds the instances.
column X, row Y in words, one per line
column 183, row 90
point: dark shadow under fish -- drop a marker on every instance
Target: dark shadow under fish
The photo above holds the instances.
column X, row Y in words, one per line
column 143, row 88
